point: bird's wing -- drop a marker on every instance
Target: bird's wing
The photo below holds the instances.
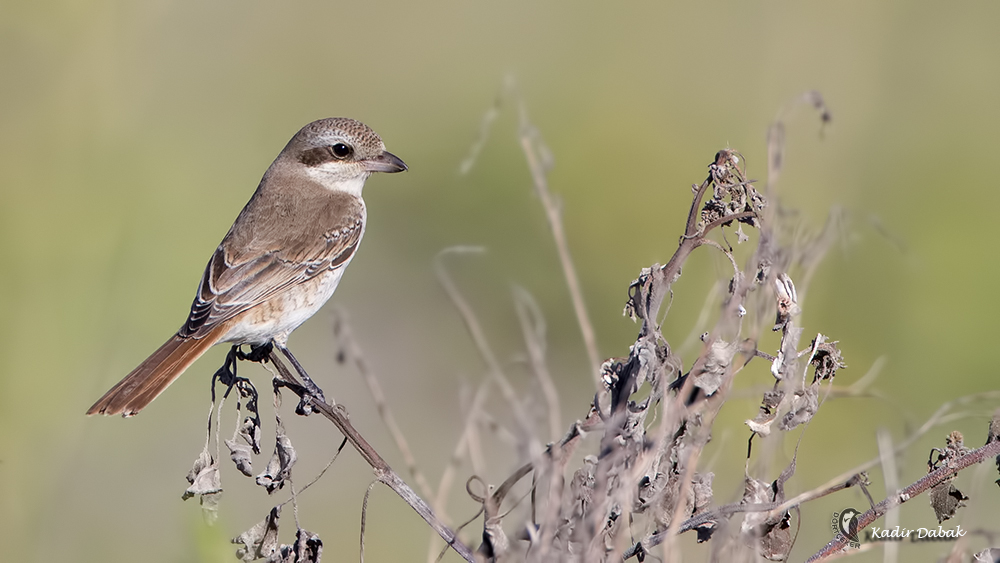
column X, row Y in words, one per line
column 257, row 260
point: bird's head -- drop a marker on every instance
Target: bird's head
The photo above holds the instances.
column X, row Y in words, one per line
column 341, row 151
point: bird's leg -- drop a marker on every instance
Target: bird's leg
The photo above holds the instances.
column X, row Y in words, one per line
column 307, row 381
column 227, row 373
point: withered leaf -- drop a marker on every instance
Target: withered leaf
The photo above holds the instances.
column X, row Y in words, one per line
column 717, row 358
column 787, row 301
column 250, row 432
column 777, row 542
column 946, row 500
column 280, row 466
column 261, row 540
column 805, row 403
column 827, row 359
column 240, row 454
column 755, row 491
column 768, row 411
column 994, row 431
column 495, row 542
column 308, row 547
column 990, row 555
column 582, row 490
column 700, row 498
column 786, row 474
column 993, row 436
column 772, row 536
column 701, row 494
column 203, row 477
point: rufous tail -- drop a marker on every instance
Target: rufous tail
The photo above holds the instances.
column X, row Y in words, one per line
column 147, row 381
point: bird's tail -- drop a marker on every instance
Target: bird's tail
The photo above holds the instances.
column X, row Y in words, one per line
column 159, row 370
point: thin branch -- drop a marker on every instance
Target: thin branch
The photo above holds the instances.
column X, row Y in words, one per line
column 533, row 329
column 552, row 212
column 726, row 511
column 891, row 477
column 939, row 417
column 383, row 473
column 343, row 331
column 479, row 337
column 952, row 468
column 364, row 517
column 465, row 443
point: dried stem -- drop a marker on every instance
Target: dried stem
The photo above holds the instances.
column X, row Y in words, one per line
column 921, row 486
column 533, row 329
column 343, row 331
column 938, row 417
column 554, row 216
column 479, row 337
column 383, row 473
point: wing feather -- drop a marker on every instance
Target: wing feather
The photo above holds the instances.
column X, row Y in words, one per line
column 253, row 264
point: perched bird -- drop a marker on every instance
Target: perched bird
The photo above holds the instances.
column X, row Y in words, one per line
column 280, row 261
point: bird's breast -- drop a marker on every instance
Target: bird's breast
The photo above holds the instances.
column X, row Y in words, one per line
column 277, row 317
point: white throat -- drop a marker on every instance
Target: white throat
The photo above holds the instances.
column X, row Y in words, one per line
column 331, row 176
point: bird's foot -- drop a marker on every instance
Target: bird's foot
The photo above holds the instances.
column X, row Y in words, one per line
column 257, row 353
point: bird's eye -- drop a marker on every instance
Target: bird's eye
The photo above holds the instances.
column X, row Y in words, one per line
column 340, row 150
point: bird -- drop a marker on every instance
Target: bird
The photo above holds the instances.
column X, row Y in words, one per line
column 280, row 261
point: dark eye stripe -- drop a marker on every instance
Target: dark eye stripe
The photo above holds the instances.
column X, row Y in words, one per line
column 319, row 155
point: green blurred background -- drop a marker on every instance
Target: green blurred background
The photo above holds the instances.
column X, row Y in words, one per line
column 131, row 133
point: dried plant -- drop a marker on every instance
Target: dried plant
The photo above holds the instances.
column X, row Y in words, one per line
column 629, row 467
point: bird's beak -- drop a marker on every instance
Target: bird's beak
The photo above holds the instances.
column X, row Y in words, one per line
column 385, row 162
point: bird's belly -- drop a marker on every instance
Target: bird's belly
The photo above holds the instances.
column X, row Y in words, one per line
column 277, row 317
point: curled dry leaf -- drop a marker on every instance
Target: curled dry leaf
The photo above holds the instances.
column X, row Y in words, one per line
column 827, row 359
column 755, row 491
column 203, row 477
column 207, row 484
column 787, row 301
column 261, row 540
column 805, row 403
column 646, row 352
column 732, row 193
column 240, row 453
column 771, row 534
column 582, row 491
column 768, row 411
column 280, row 466
column 250, row 432
column 250, row 429
column 994, row 435
column 945, row 498
column 990, row 555
column 994, row 432
column 700, row 499
column 710, row 374
column 495, row 542
column 308, row 547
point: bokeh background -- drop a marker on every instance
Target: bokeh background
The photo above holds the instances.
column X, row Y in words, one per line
column 131, row 133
